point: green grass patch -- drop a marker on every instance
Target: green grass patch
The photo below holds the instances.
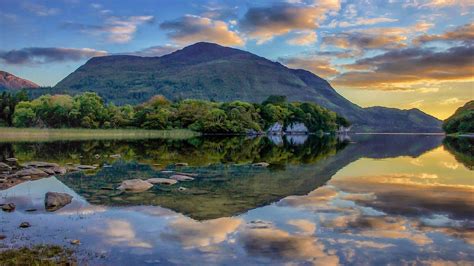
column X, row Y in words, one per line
column 8, row 134
column 38, row 255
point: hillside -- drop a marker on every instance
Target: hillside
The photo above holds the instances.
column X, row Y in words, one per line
column 11, row 82
column 210, row 71
column 462, row 121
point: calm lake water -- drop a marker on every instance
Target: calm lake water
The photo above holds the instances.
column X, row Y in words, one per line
column 366, row 199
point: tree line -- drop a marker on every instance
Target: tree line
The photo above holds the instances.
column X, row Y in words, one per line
column 88, row 110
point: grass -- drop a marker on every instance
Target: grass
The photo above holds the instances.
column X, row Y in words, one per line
column 8, row 134
column 38, row 255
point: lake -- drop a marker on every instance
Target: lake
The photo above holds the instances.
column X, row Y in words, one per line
column 358, row 199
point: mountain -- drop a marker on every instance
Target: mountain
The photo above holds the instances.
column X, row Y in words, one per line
column 210, row 71
column 462, row 121
column 9, row 81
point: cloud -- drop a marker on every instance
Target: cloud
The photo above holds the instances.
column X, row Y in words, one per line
column 189, row 29
column 453, row 100
column 304, row 226
column 191, row 233
column 319, row 66
column 43, row 55
column 219, row 11
column 360, row 22
column 273, row 242
column 386, row 38
column 157, row 50
column 416, row 104
column 116, row 29
column 392, row 69
column 121, row 232
column 464, row 33
column 40, row 10
column 438, row 3
column 264, row 23
column 303, row 38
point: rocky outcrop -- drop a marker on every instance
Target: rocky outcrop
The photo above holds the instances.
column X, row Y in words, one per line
column 296, row 128
column 276, row 128
column 135, row 185
column 54, row 200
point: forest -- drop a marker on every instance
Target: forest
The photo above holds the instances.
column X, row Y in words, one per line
column 89, row 110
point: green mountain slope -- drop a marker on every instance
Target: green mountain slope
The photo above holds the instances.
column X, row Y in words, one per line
column 211, row 71
column 462, row 121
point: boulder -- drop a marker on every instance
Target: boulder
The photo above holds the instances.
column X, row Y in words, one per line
column 181, row 178
column 136, row 185
column 5, row 167
column 60, row 170
column 9, row 207
column 261, row 164
column 54, row 200
column 49, row 171
column 33, row 172
column 163, row 181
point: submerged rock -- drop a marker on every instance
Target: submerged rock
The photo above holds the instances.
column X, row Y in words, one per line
column 181, row 164
column 164, row 181
column 136, row 185
column 9, row 207
column 54, row 200
column 182, row 189
column 182, row 178
column 25, row 225
column 85, row 167
column 75, row 242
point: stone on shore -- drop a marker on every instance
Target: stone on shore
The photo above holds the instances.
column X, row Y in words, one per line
column 182, row 178
column 8, row 207
column 40, row 164
column 135, row 185
column 162, row 181
column 54, row 201
column 5, row 167
column 261, row 164
column 25, row 225
column 33, row 172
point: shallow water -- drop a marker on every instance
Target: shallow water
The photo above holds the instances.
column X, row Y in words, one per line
column 368, row 199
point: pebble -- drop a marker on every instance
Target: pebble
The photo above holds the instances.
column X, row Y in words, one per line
column 25, row 225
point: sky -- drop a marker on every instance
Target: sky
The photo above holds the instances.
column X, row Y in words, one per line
column 396, row 53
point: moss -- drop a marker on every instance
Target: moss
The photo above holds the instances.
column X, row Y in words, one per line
column 38, row 255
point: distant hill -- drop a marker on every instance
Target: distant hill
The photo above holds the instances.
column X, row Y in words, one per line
column 210, row 71
column 11, row 82
column 462, row 121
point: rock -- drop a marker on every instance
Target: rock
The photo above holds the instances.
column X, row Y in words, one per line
column 187, row 174
column 261, row 164
column 49, row 171
column 9, row 207
column 75, row 242
column 181, row 178
column 54, row 200
column 85, row 167
column 40, row 164
column 33, row 172
column 182, row 189
column 136, row 185
column 5, row 167
column 276, row 128
column 2, row 237
column 25, row 225
column 97, row 156
column 31, row 210
column 26, row 177
column 115, row 156
column 167, row 171
column 12, row 160
column 107, row 188
column 60, row 170
column 163, row 181
column 181, row 164
column 296, row 128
